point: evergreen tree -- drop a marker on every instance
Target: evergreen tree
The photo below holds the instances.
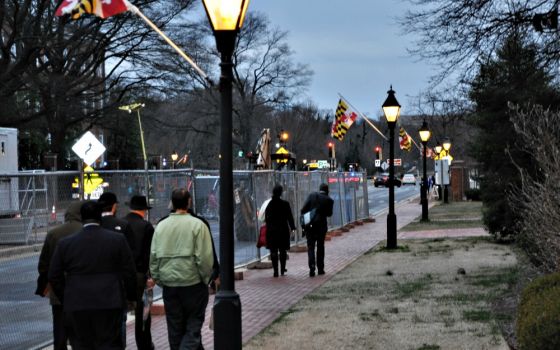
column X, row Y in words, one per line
column 512, row 76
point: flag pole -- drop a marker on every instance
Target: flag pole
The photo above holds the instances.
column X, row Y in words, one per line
column 136, row 11
column 364, row 117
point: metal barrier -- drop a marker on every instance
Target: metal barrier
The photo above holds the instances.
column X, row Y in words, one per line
column 33, row 202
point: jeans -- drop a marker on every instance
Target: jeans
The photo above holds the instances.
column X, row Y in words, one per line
column 319, row 240
column 184, row 312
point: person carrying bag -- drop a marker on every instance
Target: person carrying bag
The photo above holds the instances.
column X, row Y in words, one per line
column 317, row 208
column 279, row 226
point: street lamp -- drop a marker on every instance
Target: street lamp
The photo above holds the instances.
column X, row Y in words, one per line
column 174, row 157
column 425, row 134
column 226, row 18
column 439, row 149
column 392, row 110
column 446, row 147
column 136, row 107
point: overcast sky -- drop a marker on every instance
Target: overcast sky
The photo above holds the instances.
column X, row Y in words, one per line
column 354, row 47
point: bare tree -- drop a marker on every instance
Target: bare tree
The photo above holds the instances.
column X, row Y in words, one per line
column 56, row 73
column 538, row 198
column 457, row 34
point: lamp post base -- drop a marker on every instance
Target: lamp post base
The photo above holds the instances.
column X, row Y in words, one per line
column 227, row 321
column 391, row 231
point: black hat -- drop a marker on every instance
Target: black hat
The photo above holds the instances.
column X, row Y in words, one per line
column 107, row 199
column 138, row 203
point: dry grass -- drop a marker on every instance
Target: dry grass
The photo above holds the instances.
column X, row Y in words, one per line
column 411, row 299
column 449, row 216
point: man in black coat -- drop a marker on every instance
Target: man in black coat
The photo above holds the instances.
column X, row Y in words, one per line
column 72, row 224
column 143, row 233
column 109, row 221
column 318, row 229
column 93, row 274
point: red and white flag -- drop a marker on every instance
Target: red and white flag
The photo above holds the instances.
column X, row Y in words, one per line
column 99, row 8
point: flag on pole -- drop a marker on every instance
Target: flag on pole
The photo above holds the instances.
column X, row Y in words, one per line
column 344, row 118
column 404, row 140
column 99, row 8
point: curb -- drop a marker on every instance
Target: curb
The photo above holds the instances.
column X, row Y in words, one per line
column 10, row 252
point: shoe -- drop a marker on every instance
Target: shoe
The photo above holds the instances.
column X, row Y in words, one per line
column 321, row 272
column 284, row 271
column 311, row 273
column 275, row 274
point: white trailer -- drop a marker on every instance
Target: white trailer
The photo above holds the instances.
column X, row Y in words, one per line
column 9, row 199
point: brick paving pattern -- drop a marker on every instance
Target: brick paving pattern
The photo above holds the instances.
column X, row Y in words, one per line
column 264, row 298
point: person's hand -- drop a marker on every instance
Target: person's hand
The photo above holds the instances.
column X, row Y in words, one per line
column 131, row 305
column 150, row 283
column 217, row 282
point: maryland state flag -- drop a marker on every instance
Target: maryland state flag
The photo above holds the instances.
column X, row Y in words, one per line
column 404, row 140
column 99, row 8
column 344, row 118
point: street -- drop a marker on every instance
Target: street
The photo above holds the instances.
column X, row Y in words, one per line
column 26, row 321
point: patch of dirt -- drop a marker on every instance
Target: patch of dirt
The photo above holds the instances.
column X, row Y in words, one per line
column 413, row 298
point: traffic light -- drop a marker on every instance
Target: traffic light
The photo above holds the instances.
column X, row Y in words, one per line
column 378, row 154
column 331, row 150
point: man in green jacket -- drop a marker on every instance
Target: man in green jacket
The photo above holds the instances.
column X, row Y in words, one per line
column 72, row 224
column 181, row 260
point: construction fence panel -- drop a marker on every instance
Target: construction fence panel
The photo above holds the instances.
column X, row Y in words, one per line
column 31, row 203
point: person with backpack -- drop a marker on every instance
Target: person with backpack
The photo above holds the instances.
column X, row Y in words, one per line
column 319, row 206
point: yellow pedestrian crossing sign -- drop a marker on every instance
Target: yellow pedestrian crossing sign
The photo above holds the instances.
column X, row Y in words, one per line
column 282, row 151
column 92, row 183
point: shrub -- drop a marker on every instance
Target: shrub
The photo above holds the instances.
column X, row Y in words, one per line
column 538, row 318
column 473, row 194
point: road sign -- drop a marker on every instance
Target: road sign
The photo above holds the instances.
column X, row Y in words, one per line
column 93, row 184
column 88, row 148
column 398, row 161
column 384, row 166
column 378, row 162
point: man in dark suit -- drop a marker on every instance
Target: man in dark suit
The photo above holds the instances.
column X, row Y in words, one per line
column 109, row 221
column 318, row 229
column 93, row 273
column 143, row 233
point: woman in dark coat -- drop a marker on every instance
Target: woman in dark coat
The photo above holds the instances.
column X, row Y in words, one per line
column 279, row 225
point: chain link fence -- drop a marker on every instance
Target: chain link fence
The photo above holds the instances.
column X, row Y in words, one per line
column 33, row 202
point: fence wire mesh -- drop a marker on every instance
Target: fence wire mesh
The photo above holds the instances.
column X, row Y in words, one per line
column 31, row 203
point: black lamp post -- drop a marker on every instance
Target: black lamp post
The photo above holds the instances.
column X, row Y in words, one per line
column 392, row 110
column 226, row 18
column 425, row 134
column 446, row 147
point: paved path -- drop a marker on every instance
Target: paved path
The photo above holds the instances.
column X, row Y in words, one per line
column 264, row 298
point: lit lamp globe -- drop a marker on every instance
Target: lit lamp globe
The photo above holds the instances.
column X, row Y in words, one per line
column 447, row 145
column 226, row 14
column 425, row 133
column 391, row 108
column 438, row 149
column 174, row 156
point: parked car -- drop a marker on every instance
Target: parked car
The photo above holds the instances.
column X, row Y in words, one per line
column 383, row 180
column 409, row 179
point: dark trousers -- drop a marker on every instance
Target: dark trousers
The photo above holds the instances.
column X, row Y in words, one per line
column 184, row 312
column 142, row 329
column 319, row 240
column 95, row 329
column 274, row 258
column 59, row 332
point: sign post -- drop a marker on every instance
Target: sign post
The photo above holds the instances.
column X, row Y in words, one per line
column 88, row 148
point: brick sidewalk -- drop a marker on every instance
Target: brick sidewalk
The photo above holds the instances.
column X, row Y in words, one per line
column 264, row 298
